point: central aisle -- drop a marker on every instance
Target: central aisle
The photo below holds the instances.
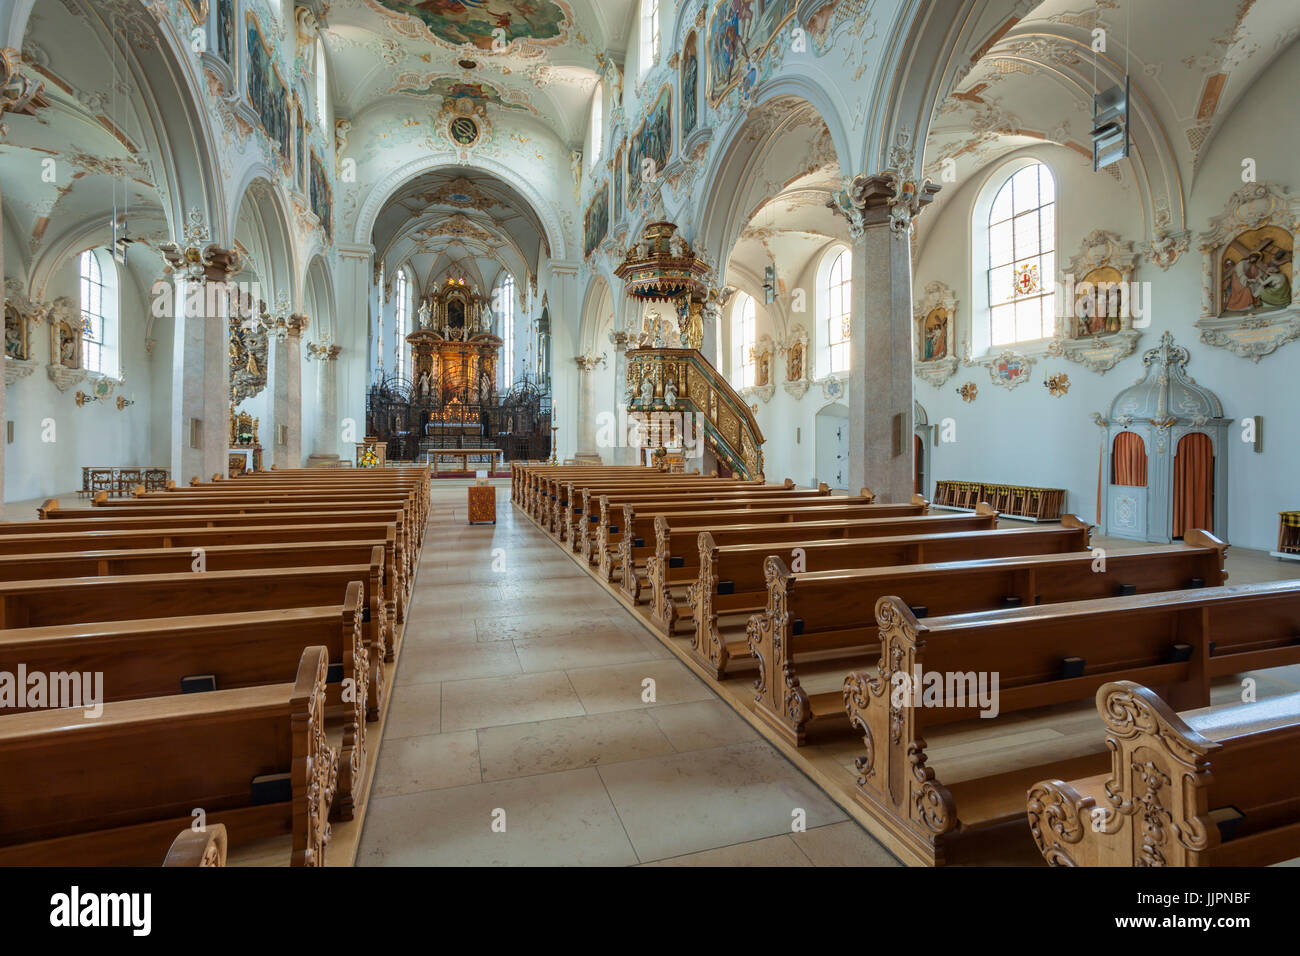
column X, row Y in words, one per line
column 519, row 693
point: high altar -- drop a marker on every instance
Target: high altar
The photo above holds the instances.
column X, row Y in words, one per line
column 453, row 352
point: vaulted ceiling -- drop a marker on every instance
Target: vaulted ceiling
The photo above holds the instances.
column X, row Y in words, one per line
column 1035, row 83
column 540, row 58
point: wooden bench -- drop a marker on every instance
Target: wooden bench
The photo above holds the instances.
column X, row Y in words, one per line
column 536, row 490
column 552, row 517
column 1177, row 641
column 272, row 483
column 546, row 487
column 124, row 521
column 125, row 597
column 625, row 527
column 730, row 582
column 1215, row 787
column 243, row 503
column 826, row 621
column 286, row 537
column 813, row 523
column 228, row 557
column 524, row 479
column 157, row 657
column 577, row 522
column 115, row 790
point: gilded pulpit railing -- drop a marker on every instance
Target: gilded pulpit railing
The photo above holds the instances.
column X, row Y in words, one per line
column 683, row 381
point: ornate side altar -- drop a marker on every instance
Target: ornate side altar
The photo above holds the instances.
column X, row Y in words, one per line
column 245, row 450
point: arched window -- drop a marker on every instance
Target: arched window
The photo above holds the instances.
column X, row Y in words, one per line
column 322, row 91
column 597, row 125
column 1022, row 257
column 504, row 305
column 744, row 338
column 649, row 34
column 834, row 305
column 401, row 322
column 99, row 313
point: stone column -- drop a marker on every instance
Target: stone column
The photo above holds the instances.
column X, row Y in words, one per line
column 286, row 373
column 587, row 365
column 201, row 359
column 880, row 376
column 326, row 444
column 623, row 453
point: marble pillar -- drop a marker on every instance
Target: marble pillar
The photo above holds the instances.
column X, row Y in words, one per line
column 623, row 453
column 587, row 365
column 201, row 360
column 880, row 376
column 326, row 444
column 286, row 381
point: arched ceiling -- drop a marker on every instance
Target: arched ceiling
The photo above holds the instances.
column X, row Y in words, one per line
column 544, row 63
column 790, row 178
column 1035, row 83
column 459, row 218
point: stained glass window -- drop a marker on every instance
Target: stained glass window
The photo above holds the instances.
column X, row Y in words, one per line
column 1022, row 257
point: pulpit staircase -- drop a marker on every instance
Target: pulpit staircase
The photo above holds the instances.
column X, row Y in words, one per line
column 730, row 430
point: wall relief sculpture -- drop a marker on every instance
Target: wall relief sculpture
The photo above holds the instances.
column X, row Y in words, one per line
column 1098, row 330
column 935, row 318
column 1249, row 301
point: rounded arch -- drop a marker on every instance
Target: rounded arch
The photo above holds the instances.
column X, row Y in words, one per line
column 318, row 298
column 724, row 213
column 597, row 309
column 392, row 181
column 267, row 228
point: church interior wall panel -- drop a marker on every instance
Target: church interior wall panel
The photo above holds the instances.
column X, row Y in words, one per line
column 1030, row 437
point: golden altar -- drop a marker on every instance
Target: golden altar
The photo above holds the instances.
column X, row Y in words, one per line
column 453, row 352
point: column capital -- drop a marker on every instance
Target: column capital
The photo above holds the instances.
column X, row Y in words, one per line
column 588, row 362
column 890, row 197
column 323, row 352
column 296, row 324
column 209, row 264
column 621, row 340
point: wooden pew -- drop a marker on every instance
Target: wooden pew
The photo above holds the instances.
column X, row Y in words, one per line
column 124, row 597
column 206, row 847
column 231, row 557
column 1176, row 640
column 822, row 623
column 552, row 518
column 107, row 519
column 633, row 520
column 244, row 503
column 526, row 481
column 151, row 657
column 547, row 485
column 637, row 563
column 729, row 584
column 576, row 524
column 304, row 487
column 1215, row 787
column 115, row 790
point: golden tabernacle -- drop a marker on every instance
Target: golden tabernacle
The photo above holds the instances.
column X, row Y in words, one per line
column 454, row 356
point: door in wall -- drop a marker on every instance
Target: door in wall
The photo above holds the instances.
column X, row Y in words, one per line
column 833, row 446
column 1193, row 485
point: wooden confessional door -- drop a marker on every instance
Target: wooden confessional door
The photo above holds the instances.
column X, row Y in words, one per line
column 1127, row 517
column 1193, row 490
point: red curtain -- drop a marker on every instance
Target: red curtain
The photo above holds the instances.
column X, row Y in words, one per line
column 1128, row 460
column 918, row 463
column 1193, row 484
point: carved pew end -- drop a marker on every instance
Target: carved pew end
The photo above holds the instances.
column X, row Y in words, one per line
column 1072, row 667
column 51, row 504
column 206, row 847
